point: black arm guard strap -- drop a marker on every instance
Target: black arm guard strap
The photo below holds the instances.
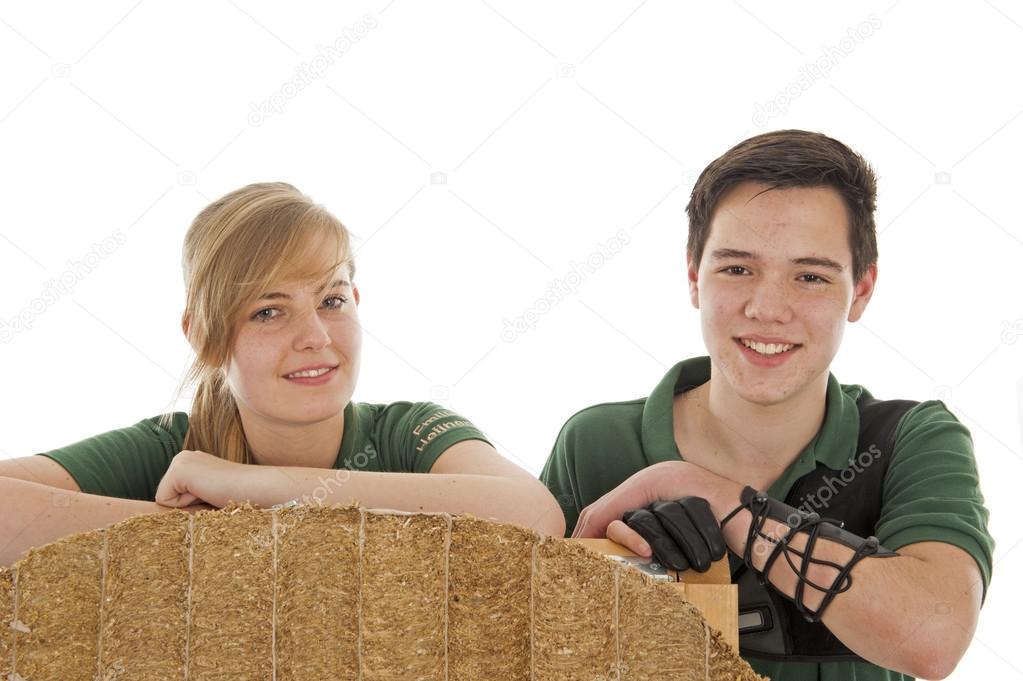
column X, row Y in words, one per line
column 763, row 507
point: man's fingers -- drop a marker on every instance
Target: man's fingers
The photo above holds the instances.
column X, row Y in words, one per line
column 665, row 549
column 706, row 524
column 679, row 527
column 620, row 533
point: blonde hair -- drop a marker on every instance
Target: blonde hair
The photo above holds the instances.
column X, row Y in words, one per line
column 238, row 248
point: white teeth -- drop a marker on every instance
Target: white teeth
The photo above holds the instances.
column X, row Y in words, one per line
column 308, row 374
column 767, row 348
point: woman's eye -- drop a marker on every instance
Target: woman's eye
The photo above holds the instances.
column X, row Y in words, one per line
column 260, row 317
column 337, row 306
column 265, row 315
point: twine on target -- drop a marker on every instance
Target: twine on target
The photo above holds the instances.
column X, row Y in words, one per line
column 362, row 548
column 447, row 588
column 532, row 612
column 102, row 597
column 617, row 628
column 273, row 607
column 14, row 625
column 188, row 591
column 706, row 655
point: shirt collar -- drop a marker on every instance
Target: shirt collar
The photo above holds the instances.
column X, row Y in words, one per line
column 834, row 445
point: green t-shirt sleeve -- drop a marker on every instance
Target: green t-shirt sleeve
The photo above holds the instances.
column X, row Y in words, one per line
column 559, row 476
column 597, row 449
column 127, row 463
column 932, row 489
column 415, row 434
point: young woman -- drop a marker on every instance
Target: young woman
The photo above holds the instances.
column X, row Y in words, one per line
column 272, row 315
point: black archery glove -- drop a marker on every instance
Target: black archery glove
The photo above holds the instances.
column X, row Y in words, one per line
column 684, row 534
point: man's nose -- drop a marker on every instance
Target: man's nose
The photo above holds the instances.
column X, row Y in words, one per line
column 770, row 301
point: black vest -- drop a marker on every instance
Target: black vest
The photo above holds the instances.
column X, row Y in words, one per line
column 770, row 627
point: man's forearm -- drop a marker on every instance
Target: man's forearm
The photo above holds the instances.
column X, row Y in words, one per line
column 901, row 612
column 32, row 514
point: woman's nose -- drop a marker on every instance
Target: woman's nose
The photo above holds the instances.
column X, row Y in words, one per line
column 312, row 332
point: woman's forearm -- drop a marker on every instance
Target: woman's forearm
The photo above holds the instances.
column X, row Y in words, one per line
column 521, row 501
column 32, row 514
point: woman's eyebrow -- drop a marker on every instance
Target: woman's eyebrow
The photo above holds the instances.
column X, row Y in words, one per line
column 276, row 295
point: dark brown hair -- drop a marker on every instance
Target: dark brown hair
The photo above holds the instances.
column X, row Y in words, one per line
column 791, row 158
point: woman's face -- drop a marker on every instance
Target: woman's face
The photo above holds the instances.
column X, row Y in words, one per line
column 296, row 326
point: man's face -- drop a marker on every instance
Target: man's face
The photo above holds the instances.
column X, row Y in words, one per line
column 776, row 273
column 281, row 335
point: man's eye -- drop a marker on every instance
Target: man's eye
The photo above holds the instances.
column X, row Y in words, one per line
column 814, row 279
column 734, row 269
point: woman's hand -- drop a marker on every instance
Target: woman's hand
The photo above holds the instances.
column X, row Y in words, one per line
column 199, row 478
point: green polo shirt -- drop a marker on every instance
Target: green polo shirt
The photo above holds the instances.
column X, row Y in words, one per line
column 931, row 490
column 402, row 437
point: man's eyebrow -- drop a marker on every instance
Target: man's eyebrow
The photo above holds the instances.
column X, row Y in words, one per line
column 726, row 253
column 821, row 262
column 277, row 295
column 816, row 261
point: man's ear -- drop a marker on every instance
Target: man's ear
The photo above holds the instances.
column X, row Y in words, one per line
column 692, row 277
column 862, row 291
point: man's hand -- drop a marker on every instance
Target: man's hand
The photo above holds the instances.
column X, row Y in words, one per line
column 198, row 478
column 637, row 491
column 684, row 534
column 660, row 482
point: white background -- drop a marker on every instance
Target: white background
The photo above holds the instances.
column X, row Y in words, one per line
column 479, row 149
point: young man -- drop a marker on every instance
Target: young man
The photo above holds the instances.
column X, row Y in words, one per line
column 856, row 528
